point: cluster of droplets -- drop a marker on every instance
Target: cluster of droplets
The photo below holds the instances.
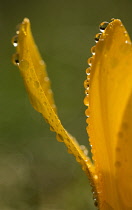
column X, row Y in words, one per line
column 15, row 39
column 102, row 28
column 15, row 57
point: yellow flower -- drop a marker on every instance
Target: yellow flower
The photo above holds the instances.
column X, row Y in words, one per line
column 108, row 89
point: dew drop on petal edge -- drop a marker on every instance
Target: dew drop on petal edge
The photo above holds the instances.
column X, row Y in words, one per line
column 103, row 26
column 97, row 37
column 86, row 92
column 86, row 100
column 86, row 84
column 90, row 60
column 93, row 50
column 15, row 40
column 15, row 59
column 52, row 129
column 59, row 138
column 87, row 112
column 88, row 71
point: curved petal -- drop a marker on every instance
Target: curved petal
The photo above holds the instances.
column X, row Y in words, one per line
column 36, row 81
column 110, row 85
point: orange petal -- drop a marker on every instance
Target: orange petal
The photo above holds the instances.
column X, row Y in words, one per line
column 110, row 86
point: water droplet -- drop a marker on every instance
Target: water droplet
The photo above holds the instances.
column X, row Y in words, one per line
column 50, row 91
column 52, row 129
column 128, row 42
column 24, row 65
column 84, row 149
column 15, row 59
column 84, row 168
column 95, row 177
column 46, row 79
column 41, row 62
column 47, row 121
column 88, row 77
column 87, row 160
column 69, row 151
column 86, row 92
column 36, row 84
column 126, row 34
column 86, row 100
column 112, row 19
column 78, row 159
column 15, row 40
column 87, row 121
column 59, row 137
column 90, row 60
column 18, row 28
column 54, row 107
column 24, row 26
column 95, row 202
column 103, row 26
column 87, row 112
column 88, row 71
column 94, row 193
column 86, row 84
column 97, row 37
column 93, row 50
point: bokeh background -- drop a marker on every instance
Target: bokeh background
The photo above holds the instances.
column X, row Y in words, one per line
column 36, row 172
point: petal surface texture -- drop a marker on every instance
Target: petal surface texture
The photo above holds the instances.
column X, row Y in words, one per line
column 110, row 121
column 33, row 71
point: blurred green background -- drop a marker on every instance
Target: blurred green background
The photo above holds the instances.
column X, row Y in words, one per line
column 36, row 172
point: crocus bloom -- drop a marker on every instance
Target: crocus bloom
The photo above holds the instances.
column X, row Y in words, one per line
column 108, row 89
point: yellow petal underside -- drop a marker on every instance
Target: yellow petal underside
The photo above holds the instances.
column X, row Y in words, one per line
column 37, row 83
column 109, row 94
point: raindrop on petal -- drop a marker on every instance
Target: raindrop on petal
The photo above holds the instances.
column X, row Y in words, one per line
column 90, row 60
column 18, row 28
column 84, row 149
column 88, row 71
column 87, row 112
column 103, row 26
column 86, row 92
column 15, row 59
column 93, row 50
column 86, row 84
column 59, row 137
column 97, row 37
column 52, row 129
column 15, row 40
column 69, row 151
column 86, row 100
